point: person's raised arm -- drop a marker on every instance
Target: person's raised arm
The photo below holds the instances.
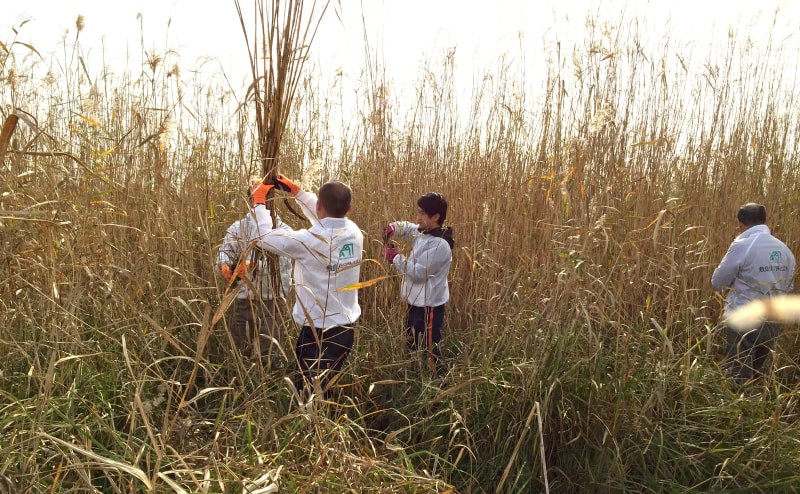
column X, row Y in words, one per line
column 307, row 200
column 404, row 229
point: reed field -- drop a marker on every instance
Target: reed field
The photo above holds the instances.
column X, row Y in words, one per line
column 591, row 200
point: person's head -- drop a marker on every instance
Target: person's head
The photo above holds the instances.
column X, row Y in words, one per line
column 432, row 211
column 334, row 199
column 751, row 214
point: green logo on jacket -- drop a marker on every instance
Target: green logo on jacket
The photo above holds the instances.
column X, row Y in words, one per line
column 347, row 252
column 775, row 256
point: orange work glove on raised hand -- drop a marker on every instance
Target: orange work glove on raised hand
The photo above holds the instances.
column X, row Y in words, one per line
column 240, row 270
column 259, row 191
column 285, row 184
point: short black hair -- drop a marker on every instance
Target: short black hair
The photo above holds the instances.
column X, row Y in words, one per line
column 433, row 203
column 335, row 198
column 752, row 214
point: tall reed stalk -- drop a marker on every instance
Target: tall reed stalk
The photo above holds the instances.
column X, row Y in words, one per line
column 278, row 45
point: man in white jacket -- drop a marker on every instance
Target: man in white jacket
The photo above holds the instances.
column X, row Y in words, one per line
column 757, row 265
column 327, row 264
column 425, row 270
column 255, row 326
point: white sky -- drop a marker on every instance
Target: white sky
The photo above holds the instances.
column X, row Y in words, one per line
column 404, row 31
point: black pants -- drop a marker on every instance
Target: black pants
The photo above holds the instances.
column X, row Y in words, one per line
column 424, row 330
column 320, row 355
column 748, row 350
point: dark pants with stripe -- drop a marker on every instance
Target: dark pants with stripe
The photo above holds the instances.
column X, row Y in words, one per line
column 748, row 350
column 320, row 355
column 424, row 331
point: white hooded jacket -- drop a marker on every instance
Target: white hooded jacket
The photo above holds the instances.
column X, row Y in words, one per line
column 240, row 241
column 425, row 269
column 327, row 265
column 757, row 265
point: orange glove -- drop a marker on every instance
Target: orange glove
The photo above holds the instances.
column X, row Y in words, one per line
column 259, row 191
column 285, row 184
column 228, row 273
column 242, row 268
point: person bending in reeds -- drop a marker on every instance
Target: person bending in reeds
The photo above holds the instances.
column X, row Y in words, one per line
column 756, row 266
column 256, row 326
column 327, row 264
column 425, row 270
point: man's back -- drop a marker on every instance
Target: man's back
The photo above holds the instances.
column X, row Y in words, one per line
column 327, row 261
column 327, row 265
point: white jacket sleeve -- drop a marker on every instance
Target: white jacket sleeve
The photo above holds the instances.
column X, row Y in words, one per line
column 284, row 243
column 406, row 230
column 228, row 251
column 308, row 204
column 728, row 268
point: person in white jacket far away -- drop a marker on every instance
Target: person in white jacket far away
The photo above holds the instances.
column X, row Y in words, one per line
column 756, row 266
